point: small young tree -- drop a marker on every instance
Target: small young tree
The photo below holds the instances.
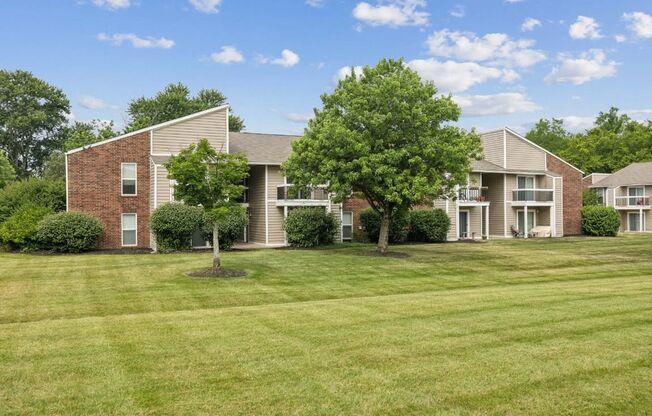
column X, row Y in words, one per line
column 386, row 136
column 211, row 179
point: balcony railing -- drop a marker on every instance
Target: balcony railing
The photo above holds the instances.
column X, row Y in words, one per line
column 632, row 201
column 532, row 195
column 472, row 194
column 289, row 192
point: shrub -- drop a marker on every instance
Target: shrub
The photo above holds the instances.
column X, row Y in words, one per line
column 370, row 221
column 310, row 227
column 428, row 225
column 69, row 232
column 599, row 220
column 231, row 221
column 173, row 225
column 35, row 192
column 19, row 231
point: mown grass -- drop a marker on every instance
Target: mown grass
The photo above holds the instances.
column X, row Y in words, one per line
column 505, row 327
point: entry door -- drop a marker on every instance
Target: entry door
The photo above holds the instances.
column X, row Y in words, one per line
column 530, row 221
column 634, row 221
column 463, row 224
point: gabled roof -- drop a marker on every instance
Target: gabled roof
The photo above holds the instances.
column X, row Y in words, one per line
column 152, row 128
column 262, row 149
column 634, row 174
column 533, row 144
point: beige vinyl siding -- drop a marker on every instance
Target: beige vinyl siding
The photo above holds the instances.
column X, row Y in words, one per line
column 171, row 139
column 163, row 189
column 257, row 204
column 559, row 207
column 452, row 214
column 492, row 145
column 441, row 204
column 523, row 155
column 474, row 214
column 275, row 214
column 543, row 216
column 511, row 212
column 496, row 197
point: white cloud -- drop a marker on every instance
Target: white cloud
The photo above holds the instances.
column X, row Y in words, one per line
column 494, row 48
column 591, row 65
column 585, row 28
column 458, row 11
column 620, row 38
column 113, row 4
column 298, row 117
column 345, row 71
column 530, row 24
column 640, row 114
column 228, row 55
column 136, row 42
column 392, row 13
column 502, row 103
column 315, row 3
column 206, row 6
column 93, row 103
column 453, row 76
column 577, row 123
column 513, row 1
column 287, row 59
column 640, row 24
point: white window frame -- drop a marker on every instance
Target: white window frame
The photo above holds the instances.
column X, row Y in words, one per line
column 173, row 185
column 468, row 223
column 601, row 193
column 122, row 178
column 348, row 225
column 122, row 229
column 534, row 182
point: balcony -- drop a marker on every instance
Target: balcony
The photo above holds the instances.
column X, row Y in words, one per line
column 473, row 195
column 633, row 202
column 290, row 196
column 532, row 196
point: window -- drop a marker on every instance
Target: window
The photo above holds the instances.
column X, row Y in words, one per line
column 600, row 195
column 128, row 179
column 347, row 225
column 635, row 194
column 173, row 185
column 129, row 230
column 524, row 184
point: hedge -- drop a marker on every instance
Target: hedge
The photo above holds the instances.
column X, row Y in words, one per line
column 19, row 231
column 398, row 228
column 598, row 220
column 69, row 232
column 173, row 225
column 310, row 227
column 35, row 192
column 428, row 225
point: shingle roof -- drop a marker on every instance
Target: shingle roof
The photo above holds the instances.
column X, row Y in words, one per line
column 271, row 149
column 634, row 174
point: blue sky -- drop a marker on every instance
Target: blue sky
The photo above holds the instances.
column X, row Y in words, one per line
column 506, row 62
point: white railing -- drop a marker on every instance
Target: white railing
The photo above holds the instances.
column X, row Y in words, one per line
column 632, row 201
column 533, row 195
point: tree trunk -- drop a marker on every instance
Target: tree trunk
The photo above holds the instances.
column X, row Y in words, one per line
column 383, row 236
column 216, row 248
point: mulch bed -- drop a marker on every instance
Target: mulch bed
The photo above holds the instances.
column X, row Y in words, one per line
column 224, row 273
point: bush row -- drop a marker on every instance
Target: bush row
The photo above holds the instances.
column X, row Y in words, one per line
column 174, row 224
column 420, row 225
column 32, row 227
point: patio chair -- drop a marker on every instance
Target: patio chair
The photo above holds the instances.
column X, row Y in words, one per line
column 515, row 232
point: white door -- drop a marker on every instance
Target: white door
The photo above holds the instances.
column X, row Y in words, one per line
column 634, row 220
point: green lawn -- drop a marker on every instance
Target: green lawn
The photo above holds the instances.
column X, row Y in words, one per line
column 504, row 327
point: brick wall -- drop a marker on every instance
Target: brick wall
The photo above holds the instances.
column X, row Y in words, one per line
column 355, row 205
column 94, row 186
column 572, row 194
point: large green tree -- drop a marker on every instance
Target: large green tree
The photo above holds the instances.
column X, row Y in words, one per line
column 32, row 112
column 212, row 179
column 550, row 134
column 173, row 102
column 7, row 172
column 386, row 136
